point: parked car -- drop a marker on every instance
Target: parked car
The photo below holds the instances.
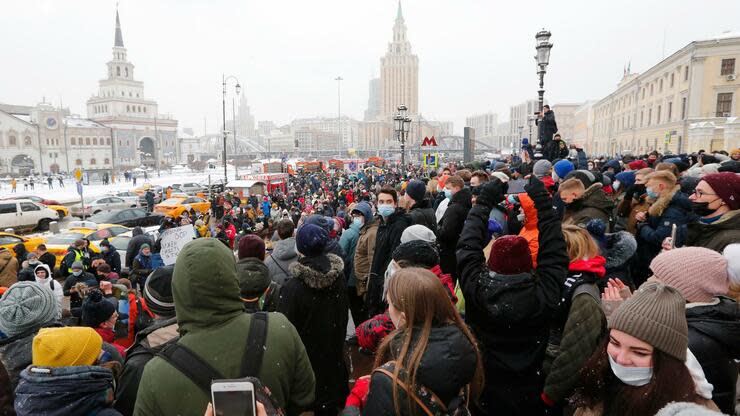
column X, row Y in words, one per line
column 58, row 244
column 174, row 207
column 9, row 240
column 188, row 187
column 24, row 214
column 95, row 205
column 131, row 197
column 55, row 205
column 130, row 217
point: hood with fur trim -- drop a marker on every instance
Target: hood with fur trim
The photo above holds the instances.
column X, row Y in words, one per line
column 661, row 203
column 308, row 270
column 620, row 247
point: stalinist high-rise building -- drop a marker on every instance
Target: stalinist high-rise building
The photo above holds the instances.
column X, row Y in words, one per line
column 399, row 73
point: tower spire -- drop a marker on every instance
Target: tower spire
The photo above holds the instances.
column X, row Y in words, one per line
column 119, row 36
column 399, row 14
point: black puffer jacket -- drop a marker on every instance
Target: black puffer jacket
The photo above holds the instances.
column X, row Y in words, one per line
column 714, row 338
column 387, row 239
column 511, row 315
column 447, row 365
column 450, row 227
column 423, row 213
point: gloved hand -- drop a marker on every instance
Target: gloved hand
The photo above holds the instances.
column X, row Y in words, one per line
column 538, row 193
column 492, row 193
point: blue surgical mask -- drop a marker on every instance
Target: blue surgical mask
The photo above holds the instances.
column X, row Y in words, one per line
column 77, row 272
column 358, row 222
column 386, row 209
column 631, row 376
column 448, row 193
column 651, row 194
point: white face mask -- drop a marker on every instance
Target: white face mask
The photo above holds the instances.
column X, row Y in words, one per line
column 631, row 376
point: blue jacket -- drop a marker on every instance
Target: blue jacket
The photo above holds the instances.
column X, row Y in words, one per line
column 62, row 391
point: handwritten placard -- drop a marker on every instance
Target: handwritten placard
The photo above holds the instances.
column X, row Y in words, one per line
column 173, row 240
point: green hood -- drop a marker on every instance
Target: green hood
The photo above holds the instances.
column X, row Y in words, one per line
column 204, row 285
column 253, row 276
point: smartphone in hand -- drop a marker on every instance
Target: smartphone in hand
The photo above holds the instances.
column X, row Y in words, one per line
column 233, row 398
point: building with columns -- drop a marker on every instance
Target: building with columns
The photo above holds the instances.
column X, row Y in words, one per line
column 684, row 103
column 141, row 135
column 399, row 73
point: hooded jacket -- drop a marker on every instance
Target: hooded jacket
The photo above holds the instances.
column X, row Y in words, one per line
column 258, row 292
column 387, row 239
column 450, row 227
column 446, row 366
column 423, row 213
column 348, row 241
column 62, row 391
column 364, row 254
column 212, row 324
column 279, row 261
column 714, row 338
column 49, row 282
column 134, row 245
column 315, row 301
column 511, row 314
column 714, row 236
column 593, row 204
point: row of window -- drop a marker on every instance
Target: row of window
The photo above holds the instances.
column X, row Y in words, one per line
column 97, row 109
column 74, row 141
column 93, row 162
column 136, row 109
column 111, row 93
column 13, row 141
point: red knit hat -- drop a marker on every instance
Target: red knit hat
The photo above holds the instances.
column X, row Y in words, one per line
column 510, row 255
column 727, row 187
column 637, row 164
column 251, row 246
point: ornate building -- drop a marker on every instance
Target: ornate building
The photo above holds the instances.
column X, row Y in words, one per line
column 399, row 73
column 141, row 134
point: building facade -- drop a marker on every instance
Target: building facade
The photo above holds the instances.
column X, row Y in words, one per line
column 520, row 118
column 685, row 103
column 141, row 135
column 583, row 121
column 485, row 126
column 399, row 73
column 373, row 100
column 565, row 117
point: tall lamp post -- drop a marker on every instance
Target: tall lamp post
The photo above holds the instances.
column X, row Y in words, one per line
column 339, row 111
column 237, row 88
column 402, row 126
column 543, row 59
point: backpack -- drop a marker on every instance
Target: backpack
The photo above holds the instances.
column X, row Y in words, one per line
column 202, row 374
column 429, row 403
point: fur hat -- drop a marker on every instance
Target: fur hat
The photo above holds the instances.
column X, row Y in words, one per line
column 96, row 309
column 310, row 240
column 510, row 254
column 698, row 273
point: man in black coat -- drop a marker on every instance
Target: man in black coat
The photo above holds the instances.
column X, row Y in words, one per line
column 420, row 209
column 391, row 223
column 547, row 126
column 46, row 257
column 110, row 255
column 507, row 305
column 134, row 245
column 452, row 222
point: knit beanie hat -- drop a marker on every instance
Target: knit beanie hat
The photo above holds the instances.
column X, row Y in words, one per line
column 66, row 347
column 418, row 232
column 563, row 168
column 732, row 255
column 541, row 167
column 416, row 190
column 586, row 177
column 96, row 309
column 417, row 252
column 637, row 164
column 310, row 240
column 698, row 273
column 656, row 314
column 321, row 221
column 252, row 245
column 77, row 265
column 501, row 176
column 27, row 305
column 727, row 187
column 510, row 255
column 626, row 178
column 158, row 291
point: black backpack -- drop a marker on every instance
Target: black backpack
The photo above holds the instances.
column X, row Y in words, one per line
column 202, row 374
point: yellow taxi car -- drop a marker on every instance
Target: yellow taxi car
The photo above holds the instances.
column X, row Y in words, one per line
column 8, row 240
column 58, row 244
column 175, row 206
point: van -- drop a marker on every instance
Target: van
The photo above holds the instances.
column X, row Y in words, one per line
column 24, row 214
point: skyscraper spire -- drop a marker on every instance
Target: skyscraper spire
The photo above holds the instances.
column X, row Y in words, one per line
column 399, row 14
column 119, row 35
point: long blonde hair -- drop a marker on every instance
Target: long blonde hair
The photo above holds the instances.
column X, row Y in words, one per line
column 419, row 295
column 580, row 244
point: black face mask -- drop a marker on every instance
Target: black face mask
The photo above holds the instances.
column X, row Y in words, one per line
column 639, row 190
column 576, row 205
column 702, row 208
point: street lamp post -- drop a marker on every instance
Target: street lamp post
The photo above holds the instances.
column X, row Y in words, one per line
column 233, row 124
column 530, row 121
column 402, row 127
column 223, row 111
column 339, row 111
column 543, row 59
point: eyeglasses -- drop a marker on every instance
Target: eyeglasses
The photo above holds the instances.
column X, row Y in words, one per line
column 700, row 194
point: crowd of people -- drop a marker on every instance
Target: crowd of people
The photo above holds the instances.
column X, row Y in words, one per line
column 547, row 283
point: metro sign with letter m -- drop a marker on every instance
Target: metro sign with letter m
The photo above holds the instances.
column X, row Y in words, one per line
column 429, row 142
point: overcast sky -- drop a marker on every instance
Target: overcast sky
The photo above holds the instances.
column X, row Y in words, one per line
column 474, row 55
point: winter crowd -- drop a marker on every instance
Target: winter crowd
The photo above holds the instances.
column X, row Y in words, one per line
column 537, row 284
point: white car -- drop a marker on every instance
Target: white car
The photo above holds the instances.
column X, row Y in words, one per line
column 24, row 214
column 131, row 197
column 95, row 205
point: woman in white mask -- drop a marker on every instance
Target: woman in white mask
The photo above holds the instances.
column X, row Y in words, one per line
column 642, row 366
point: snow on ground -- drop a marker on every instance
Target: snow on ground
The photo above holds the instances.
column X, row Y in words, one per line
column 69, row 195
